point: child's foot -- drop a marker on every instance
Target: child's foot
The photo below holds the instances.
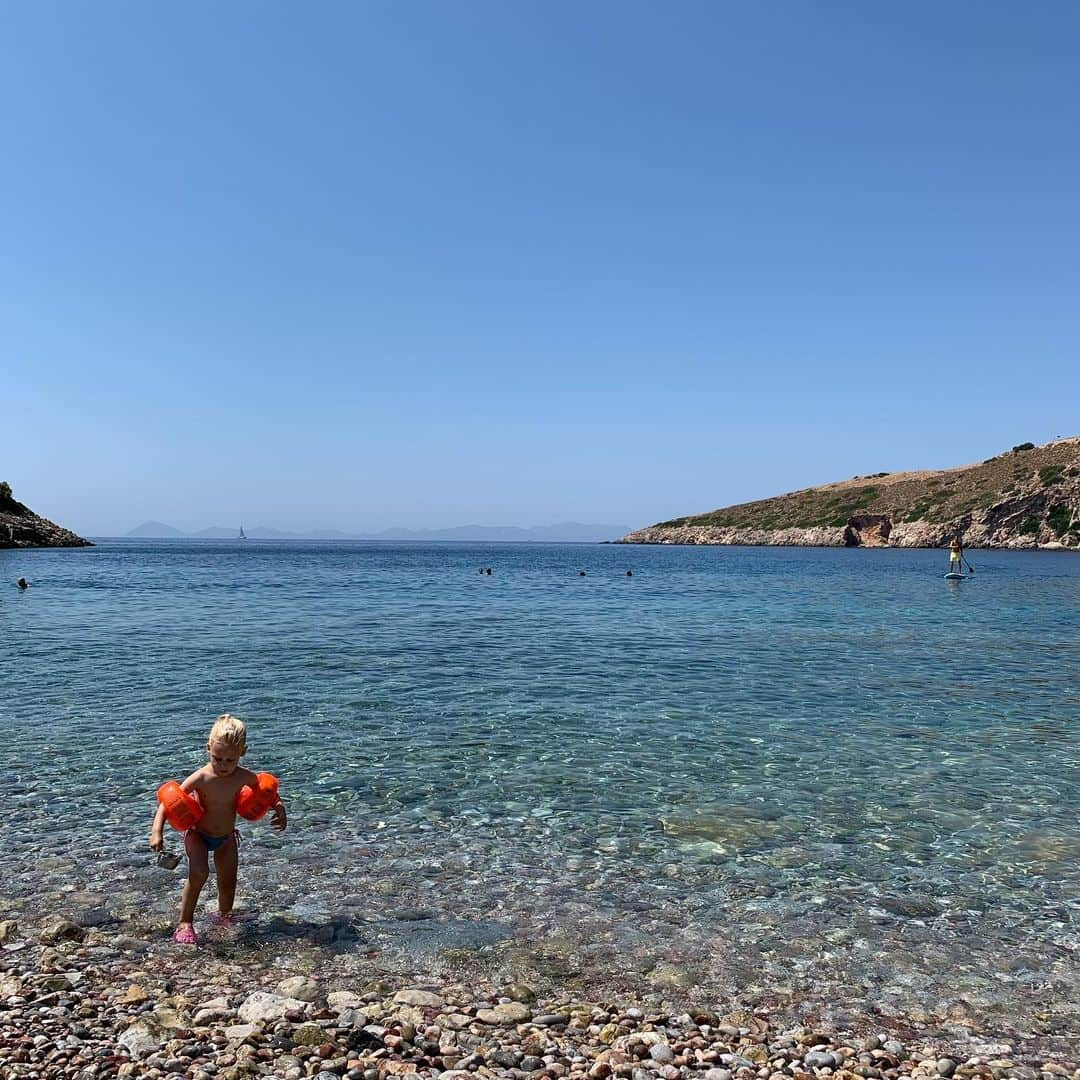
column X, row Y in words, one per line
column 221, row 919
column 184, row 934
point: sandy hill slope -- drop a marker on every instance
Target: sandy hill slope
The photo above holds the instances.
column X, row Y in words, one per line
column 1026, row 497
column 20, row 527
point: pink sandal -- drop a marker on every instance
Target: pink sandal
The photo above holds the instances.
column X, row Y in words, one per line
column 223, row 920
column 184, row 934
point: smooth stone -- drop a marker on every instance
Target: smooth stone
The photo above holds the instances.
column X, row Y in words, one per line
column 343, row 999
column 58, row 928
column 261, row 1006
column 352, row 1018
column 204, row 1017
column 300, row 987
column 736, row 1061
column 419, row 998
column 309, row 1035
column 513, row 1012
column 552, row 1019
column 142, row 1038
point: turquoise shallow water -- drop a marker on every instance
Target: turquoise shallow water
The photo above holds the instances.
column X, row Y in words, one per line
column 825, row 775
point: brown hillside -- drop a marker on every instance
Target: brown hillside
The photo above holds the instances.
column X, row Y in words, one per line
column 1027, row 496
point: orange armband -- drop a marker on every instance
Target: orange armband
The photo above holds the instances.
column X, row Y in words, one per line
column 182, row 809
column 253, row 802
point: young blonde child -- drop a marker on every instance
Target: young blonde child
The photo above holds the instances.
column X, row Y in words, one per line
column 216, row 785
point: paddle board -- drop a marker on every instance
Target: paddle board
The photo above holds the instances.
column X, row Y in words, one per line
column 954, row 577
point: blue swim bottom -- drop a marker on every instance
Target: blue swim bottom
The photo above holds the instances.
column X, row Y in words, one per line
column 212, row 842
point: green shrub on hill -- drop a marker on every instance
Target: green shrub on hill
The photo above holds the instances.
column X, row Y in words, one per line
column 1059, row 518
column 1023, row 446
column 1029, row 526
column 1051, row 474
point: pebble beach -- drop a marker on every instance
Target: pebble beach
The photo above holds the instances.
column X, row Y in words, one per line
column 85, row 1002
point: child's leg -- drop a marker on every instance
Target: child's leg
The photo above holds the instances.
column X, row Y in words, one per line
column 226, row 861
column 198, row 872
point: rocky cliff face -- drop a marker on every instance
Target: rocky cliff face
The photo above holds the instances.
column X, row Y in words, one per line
column 1028, row 497
column 20, row 527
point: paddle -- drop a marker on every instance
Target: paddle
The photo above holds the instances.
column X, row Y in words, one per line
column 971, row 569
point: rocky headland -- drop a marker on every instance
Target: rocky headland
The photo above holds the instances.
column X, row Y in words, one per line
column 1027, row 497
column 20, row 527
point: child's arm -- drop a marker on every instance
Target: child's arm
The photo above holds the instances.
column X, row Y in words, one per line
column 157, row 839
column 279, row 820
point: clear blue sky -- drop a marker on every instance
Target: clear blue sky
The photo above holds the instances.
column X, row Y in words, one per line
column 361, row 265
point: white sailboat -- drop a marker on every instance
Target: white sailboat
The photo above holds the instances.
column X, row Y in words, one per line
column 241, row 536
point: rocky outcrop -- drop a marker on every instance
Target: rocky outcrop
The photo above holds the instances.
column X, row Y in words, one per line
column 1028, row 497
column 868, row 530
column 20, row 527
column 721, row 534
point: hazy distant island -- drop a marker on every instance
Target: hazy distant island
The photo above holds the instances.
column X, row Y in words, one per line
column 565, row 532
column 1026, row 497
column 20, row 527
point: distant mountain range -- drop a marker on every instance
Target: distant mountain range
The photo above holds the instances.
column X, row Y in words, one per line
column 568, row 531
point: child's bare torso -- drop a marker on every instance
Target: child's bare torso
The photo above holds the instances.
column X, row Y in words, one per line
column 218, row 796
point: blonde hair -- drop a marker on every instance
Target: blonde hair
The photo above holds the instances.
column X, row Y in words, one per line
column 229, row 730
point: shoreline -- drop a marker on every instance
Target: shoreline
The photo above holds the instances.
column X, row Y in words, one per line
column 82, row 1000
column 1052, row 548
column 712, row 536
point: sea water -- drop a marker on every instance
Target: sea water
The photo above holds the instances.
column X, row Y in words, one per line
column 825, row 779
